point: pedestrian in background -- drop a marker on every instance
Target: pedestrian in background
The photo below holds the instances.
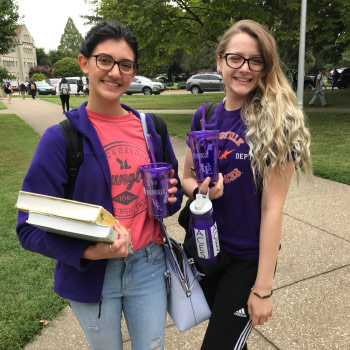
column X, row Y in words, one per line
column 319, row 89
column 32, row 88
column 263, row 137
column 22, row 90
column 64, row 90
column 80, row 86
column 335, row 77
column 8, row 91
column 86, row 91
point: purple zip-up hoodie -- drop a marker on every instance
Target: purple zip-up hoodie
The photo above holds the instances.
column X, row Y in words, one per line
column 75, row 278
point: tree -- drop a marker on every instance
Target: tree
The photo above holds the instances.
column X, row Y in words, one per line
column 345, row 61
column 8, row 24
column 42, row 57
column 163, row 27
column 67, row 67
column 5, row 74
column 55, row 55
column 71, row 40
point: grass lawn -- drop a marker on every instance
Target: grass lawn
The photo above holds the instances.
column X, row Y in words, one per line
column 330, row 142
column 336, row 98
column 330, row 145
column 2, row 106
column 26, row 278
column 164, row 101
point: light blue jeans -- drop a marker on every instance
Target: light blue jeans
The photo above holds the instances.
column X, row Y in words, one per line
column 136, row 286
column 319, row 93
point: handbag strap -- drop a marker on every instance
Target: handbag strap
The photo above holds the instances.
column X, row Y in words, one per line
column 144, row 128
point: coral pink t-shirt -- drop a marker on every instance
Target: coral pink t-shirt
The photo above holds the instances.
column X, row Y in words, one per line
column 125, row 147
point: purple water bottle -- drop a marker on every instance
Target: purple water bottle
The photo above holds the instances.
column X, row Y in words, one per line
column 204, row 230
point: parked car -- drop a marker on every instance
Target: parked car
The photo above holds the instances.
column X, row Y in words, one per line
column 309, row 80
column 43, row 88
column 344, row 78
column 73, row 82
column 201, row 82
column 14, row 85
column 144, row 85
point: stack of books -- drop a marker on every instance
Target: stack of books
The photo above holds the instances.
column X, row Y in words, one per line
column 68, row 217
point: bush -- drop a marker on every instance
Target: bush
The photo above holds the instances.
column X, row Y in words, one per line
column 67, row 67
column 38, row 77
column 46, row 70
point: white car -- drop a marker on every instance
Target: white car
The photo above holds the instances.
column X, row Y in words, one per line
column 144, row 85
column 72, row 81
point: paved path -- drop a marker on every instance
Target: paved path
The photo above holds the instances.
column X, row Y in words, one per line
column 312, row 283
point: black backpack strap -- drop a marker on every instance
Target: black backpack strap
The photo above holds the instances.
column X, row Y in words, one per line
column 74, row 154
column 209, row 111
column 162, row 130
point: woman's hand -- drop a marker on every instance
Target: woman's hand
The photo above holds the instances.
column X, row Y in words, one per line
column 117, row 249
column 214, row 192
column 172, row 189
column 260, row 310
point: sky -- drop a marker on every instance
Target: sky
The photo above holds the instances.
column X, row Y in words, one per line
column 46, row 19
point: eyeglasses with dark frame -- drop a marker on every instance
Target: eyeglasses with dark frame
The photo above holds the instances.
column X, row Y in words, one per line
column 107, row 63
column 235, row 61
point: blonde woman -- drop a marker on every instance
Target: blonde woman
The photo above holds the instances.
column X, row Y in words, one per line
column 263, row 140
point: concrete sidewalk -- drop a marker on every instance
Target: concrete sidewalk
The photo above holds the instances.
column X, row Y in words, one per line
column 312, row 283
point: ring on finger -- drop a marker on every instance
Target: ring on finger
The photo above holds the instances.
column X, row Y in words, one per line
column 125, row 241
column 110, row 248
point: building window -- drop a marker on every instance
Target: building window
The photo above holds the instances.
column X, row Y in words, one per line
column 9, row 61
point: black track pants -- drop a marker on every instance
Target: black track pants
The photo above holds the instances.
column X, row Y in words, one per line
column 65, row 102
column 227, row 292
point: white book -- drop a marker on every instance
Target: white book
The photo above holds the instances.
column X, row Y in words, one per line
column 34, row 202
column 73, row 228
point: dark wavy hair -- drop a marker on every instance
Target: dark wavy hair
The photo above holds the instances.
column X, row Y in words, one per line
column 108, row 30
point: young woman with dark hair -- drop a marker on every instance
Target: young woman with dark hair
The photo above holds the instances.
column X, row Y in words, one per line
column 102, row 281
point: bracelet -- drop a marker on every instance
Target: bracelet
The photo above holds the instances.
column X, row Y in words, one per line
column 261, row 297
column 195, row 192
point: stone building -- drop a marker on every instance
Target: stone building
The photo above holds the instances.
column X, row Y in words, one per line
column 19, row 61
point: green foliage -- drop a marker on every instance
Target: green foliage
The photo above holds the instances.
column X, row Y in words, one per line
column 71, row 40
column 345, row 60
column 8, row 24
column 171, row 29
column 5, row 74
column 42, row 57
column 67, row 67
column 55, row 55
column 45, row 70
column 38, row 77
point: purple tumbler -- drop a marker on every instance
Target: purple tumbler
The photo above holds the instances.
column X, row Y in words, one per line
column 204, row 230
column 204, row 147
column 155, row 178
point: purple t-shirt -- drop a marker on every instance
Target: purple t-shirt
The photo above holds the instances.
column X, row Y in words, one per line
column 237, row 212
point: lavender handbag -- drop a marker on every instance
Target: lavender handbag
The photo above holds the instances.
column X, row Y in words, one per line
column 187, row 305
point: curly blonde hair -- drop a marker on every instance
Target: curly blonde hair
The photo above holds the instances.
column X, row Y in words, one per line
column 276, row 132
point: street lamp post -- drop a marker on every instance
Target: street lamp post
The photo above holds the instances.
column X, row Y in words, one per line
column 301, row 69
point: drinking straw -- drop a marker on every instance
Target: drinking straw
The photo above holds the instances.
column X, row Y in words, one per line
column 151, row 148
column 203, row 116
